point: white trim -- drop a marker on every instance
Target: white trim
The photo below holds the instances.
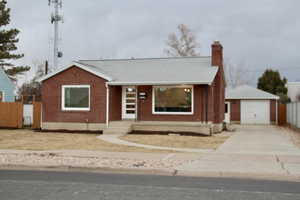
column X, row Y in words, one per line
column 102, row 75
column 252, row 98
column 107, row 105
column 165, row 83
column 3, row 96
column 173, row 113
column 63, row 97
column 228, row 112
column 124, row 114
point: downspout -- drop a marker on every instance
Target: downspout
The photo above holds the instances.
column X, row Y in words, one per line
column 107, row 105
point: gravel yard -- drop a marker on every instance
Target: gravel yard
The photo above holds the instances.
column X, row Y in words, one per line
column 179, row 141
column 23, row 139
column 94, row 159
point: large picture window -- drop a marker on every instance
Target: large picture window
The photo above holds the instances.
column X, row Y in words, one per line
column 173, row 100
column 76, row 97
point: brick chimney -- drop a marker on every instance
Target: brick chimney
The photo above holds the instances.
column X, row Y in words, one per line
column 217, row 54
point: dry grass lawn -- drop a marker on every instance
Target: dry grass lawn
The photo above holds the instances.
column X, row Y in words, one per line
column 23, row 139
column 177, row 141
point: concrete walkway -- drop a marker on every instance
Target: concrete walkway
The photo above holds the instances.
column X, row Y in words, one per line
column 252, row 150
column 262, row 140
column 116, row 140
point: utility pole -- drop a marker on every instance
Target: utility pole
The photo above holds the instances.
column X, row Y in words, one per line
column 55, row 19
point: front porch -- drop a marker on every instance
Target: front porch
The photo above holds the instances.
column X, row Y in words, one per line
column 126, row 126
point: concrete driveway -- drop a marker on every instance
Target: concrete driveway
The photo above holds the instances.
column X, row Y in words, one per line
column 254, row 151
column 263, row 140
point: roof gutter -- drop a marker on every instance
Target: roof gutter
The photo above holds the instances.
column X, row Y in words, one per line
column 161, row 83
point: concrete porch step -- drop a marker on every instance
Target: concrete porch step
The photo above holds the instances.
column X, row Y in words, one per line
column 119, row 127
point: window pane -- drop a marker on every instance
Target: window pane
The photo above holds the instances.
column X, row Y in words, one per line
column 173, row 99
column 130, row 111
column 76, row 97
column 226, row 107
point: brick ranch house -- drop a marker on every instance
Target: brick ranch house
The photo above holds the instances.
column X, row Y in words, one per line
column 156, row 94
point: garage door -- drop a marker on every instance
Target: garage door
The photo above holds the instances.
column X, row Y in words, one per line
column 255, row 112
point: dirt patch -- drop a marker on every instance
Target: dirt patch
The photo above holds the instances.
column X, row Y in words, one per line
column 178, row 141
column 24, row 139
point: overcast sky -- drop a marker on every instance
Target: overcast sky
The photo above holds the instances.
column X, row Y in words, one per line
column 255, row 33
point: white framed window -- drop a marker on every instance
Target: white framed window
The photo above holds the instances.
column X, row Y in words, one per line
column 76, row 97
column 174, row 100
column 2, row 96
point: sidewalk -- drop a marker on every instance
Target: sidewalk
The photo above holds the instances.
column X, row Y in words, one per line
column 182, row 164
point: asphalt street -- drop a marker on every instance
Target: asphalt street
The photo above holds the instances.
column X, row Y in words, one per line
column 46, row 185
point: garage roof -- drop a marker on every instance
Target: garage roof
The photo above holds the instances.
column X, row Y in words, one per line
column 248, row 92
column 154, row 71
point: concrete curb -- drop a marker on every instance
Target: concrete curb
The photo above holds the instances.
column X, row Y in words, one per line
column 159, row 172
column 238, row 175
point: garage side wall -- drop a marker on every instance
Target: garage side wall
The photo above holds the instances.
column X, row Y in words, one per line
column 235, row 110
column 273, row 111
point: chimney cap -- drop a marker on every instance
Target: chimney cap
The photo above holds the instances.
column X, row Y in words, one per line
column 217, row 42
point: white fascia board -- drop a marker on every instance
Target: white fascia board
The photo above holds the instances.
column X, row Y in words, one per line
column 102, row 75
column 253, row 98
column 161, row 83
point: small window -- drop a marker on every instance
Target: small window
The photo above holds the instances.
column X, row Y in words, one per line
column 76, row 97
column 1, row 96
column 226, row 108
column 173, row 100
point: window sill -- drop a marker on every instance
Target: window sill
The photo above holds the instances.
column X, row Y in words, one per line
column 172, row 113
column 76, row 110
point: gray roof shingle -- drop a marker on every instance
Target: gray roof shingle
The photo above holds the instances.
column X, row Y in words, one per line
column 191, row 70
column 150, row 71
column 247, row 92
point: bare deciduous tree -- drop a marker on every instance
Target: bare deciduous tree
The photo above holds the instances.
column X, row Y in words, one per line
column 236, row 74
column 33, row 87
column 183, row 44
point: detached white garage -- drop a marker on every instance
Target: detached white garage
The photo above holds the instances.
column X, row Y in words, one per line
column 248, row 105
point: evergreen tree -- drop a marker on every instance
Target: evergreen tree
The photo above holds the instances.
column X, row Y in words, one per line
column 8, row 40
column 271, row 82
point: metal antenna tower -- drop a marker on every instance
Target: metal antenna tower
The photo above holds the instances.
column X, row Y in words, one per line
column 55, row 19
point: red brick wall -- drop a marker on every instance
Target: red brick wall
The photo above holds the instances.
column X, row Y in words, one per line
column 219, row 83
column 51, row 97
column 235, row 110
column 115, row 103
column 273, row 110
column 145, row 107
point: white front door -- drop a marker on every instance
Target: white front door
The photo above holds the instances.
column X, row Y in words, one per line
column 227, row 112
column 255, row 111
column 129, row 102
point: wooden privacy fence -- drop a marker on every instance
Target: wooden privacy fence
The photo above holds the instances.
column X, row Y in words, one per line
column 37, row 111
column 11, row 115
column 281, row 114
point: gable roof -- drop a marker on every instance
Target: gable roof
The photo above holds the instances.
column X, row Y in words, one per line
column 144, row 71
column 247, row 92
